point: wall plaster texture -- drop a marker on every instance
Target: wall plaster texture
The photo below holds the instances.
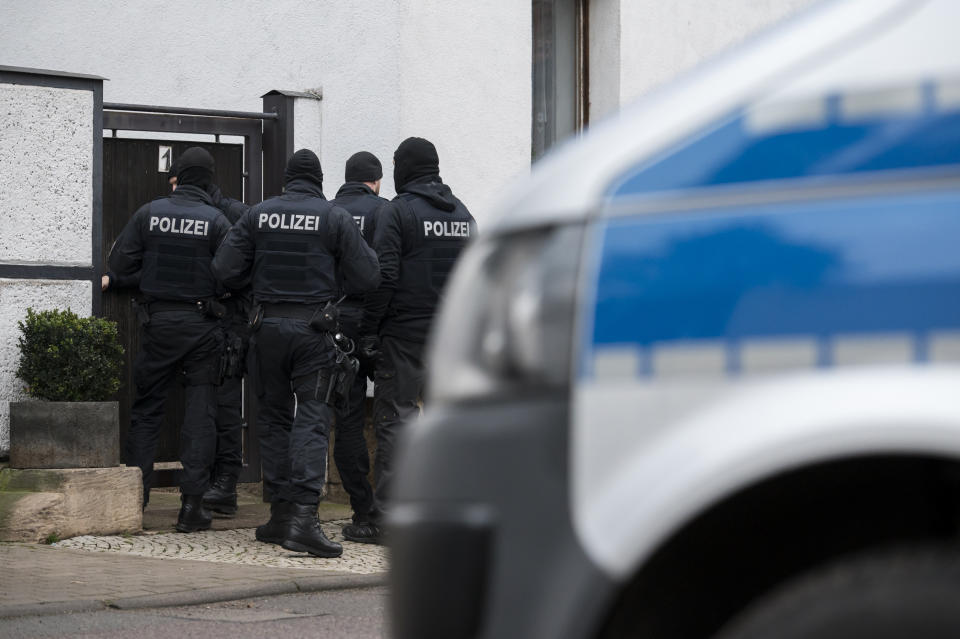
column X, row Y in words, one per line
column 46, row 181
column 15, row 297
column 454, row 71
column 660, row 40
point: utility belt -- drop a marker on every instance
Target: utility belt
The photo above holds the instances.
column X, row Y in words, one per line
column 290, row 310
column 207, row 308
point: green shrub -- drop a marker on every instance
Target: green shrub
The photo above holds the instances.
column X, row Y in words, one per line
column 66, row 358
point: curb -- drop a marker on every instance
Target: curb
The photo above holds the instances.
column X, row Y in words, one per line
column 194, row 597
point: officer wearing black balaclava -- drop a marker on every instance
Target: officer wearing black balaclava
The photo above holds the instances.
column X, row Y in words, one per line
column 418, row 238
column 171, row 242
column 294, row 248
column 360, row 197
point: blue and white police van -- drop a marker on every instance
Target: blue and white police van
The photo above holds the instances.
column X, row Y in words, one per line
column 702, row 379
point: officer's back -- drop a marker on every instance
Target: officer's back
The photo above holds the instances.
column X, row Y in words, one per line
column 294, row 244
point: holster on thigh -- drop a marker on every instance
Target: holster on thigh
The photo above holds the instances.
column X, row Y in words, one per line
column 314, row 386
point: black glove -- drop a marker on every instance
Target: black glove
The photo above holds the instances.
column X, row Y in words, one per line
column 370, row 347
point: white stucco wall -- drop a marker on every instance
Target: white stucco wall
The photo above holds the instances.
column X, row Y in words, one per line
column 457, row 72
column 604, row 58
column 659, row 40
column 46, row 183
column 15, row 297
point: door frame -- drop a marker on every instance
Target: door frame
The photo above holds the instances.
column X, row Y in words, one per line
column 250, row 126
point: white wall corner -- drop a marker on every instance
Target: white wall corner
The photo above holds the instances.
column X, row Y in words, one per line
column 604, row 58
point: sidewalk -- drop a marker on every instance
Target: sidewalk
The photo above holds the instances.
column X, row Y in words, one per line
column 164, row 568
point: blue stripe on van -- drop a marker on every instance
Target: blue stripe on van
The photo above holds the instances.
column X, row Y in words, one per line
column 865, row 266
column 731, row 153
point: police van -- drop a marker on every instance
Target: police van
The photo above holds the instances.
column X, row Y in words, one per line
column 702, row 379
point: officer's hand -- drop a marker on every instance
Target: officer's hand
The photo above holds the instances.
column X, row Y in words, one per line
column 104, row 283
column 370, row 347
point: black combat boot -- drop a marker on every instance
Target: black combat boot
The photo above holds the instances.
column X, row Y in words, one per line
column 274, row 530
column 193, row 516
column 364, row 532
column 221, row 497
column 305, row 535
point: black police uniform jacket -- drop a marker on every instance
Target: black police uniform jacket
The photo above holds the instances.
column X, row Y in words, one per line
column 419, row 236
column 171, row 242
column 362, row 204
column 295, row 244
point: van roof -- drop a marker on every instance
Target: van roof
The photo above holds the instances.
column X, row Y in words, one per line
column 841, row 46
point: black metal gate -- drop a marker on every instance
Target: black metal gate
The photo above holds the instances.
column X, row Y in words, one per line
column 133, row 175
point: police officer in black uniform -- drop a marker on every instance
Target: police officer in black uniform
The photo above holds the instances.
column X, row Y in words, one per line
column 293, row 247
column 360, row 197
column 221, row 497
column 418, row 238
column 171, row 242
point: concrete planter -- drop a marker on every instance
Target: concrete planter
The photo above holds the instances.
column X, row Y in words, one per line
column 64, row 434
column 65, row 477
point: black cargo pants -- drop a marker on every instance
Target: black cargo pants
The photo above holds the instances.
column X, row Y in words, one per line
column 293, row 422
column 398, row 391
column 229, row 458
column 350, row 448
column 176, row 344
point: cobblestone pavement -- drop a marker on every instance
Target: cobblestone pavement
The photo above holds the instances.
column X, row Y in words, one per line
column 236, row 547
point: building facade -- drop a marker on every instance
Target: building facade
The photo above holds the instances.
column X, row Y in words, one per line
column 494, row 84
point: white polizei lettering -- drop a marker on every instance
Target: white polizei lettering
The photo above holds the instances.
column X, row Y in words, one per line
column 289, row 221
column 446, row 229
column 183, row 226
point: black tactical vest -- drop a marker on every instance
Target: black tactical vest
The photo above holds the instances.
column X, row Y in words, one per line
column 433, row 240
column 180, row 238
column 294, row 259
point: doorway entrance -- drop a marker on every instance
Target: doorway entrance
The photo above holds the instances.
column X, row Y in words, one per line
column 136, row 171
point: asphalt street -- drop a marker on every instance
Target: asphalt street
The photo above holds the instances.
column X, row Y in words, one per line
column 350, row 614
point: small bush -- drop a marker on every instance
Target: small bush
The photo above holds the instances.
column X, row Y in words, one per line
column 66, row 358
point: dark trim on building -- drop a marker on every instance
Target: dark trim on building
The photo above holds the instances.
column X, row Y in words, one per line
column 98, row 260
column 168, row 123
column 22, row 71
column 48, row 272
column 277, row 139
column 214, row 113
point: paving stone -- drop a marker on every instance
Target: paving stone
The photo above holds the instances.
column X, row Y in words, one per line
column 237, row 547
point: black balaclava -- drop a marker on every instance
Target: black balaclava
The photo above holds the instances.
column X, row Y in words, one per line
column 304, row 164
column 194, row 168
column 363, row 166
column 414, row 158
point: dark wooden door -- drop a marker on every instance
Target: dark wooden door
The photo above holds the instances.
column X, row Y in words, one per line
column 131, row 178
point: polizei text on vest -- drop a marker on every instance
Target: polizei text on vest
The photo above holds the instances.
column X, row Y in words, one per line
column 181, row 225
column 446, row 229
column 289, row 221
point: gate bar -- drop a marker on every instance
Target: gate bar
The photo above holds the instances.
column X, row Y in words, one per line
column 146, row 108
